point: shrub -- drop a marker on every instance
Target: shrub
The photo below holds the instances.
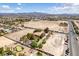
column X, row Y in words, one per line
column 63, row 24
column 22, row 25
column 36, row 38
column 37, row 30
column 44, row 41
column 32, row 36
column 46, row 30
column 1, row 51
column 21, row 54
column 8, row 51
column 39, row 54
column 29, row 35
column 19, row 48
column 40, row 45
column 24, row 38
column 34, row 44
column 42, row 35
column 67, row 51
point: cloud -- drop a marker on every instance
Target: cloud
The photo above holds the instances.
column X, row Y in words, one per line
column 9, row 9
column 66, row 8
column 5, row 7
column 18, row 8
column 19, row 3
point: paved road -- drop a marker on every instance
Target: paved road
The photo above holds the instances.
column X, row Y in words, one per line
column 73, row 44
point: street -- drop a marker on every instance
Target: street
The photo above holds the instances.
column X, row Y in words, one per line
column 73, row 44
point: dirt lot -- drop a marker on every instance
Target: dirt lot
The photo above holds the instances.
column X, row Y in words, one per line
column 16, row 35
column 52, row 25
column 76, row 22
column 55, row 44
column 5, row 41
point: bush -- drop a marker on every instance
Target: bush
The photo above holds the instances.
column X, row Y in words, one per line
column 19, row 48
column 37, row 30
column 75, row 28
column 39, row 54
column 21, row 54
column 24, row 38
column 46, row 30
column 63, row 24
column 29, row 35
column 32, row 36
column 1, row 51
column 36, row 38
column 44, row 41
column 8, row 51
column 67, row 51
column 34, row 44
column 40, row 45
column 42, row 35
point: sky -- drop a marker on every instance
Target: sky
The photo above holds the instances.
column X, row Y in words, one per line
column 50, row 8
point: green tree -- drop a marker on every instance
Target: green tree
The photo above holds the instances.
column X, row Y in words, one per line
column 34, row 44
